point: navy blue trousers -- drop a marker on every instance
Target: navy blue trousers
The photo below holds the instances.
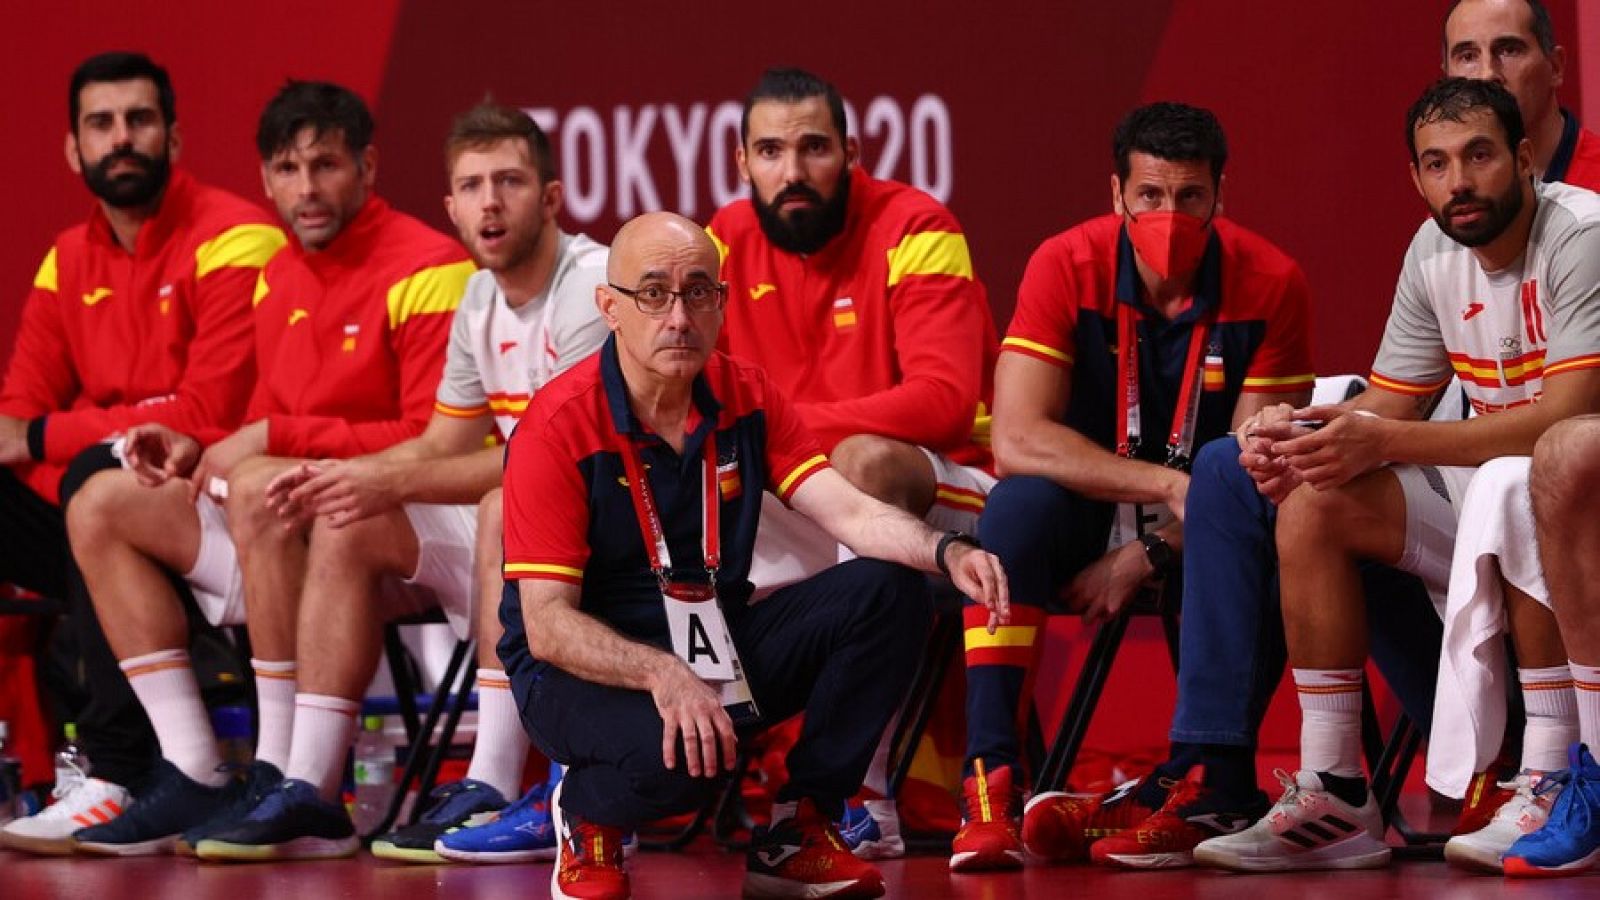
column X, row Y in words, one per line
column 840, row 647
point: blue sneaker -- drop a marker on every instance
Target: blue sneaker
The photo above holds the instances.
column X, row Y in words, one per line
column 259, row 778
column 872, row 830
column 459, row 804
column 1569, row 842
column 293, row 822
column 172, row 802
column 521, row 833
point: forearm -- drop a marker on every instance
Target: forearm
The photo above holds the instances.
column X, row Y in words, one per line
column 585, row 647
column 450, row 479
column 1054, row 451
column 1470, row 442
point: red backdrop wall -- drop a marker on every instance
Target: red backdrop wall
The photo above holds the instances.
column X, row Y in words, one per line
column 1004, row 111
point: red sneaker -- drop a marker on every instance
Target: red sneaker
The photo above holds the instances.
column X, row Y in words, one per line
column 1060, row 827
column 988, row 838
column 1484, row 797
column 1167, row 837
column 804, row 856
column 589, row 858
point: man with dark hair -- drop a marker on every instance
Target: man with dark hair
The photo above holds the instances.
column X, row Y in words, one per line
column 858, row 296
column 631, row 506
column 1163, row 313
column 1513, row 43
column 1501, row 289
column 351, row 325
column 424, row 509
column 142, row 314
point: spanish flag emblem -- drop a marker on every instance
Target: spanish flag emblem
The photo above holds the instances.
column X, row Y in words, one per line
column 1213, row 377
column 728, row 481
column 844, row 313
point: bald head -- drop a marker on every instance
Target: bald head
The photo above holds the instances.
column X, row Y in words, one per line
column 658, row 236
column 656, row 260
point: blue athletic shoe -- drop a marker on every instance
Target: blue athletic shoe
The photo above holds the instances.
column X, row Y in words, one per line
column 459, row 804
column 293, row 822
column 259, row 778
column 521, row 833
column 872, row 830
column 1569, row 842
column 172, row 802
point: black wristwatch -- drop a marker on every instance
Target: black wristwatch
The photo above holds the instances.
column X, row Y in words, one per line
column 1160, row 553
column 951, row 537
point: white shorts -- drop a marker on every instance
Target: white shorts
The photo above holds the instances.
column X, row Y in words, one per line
column 1433, row 496
column 443, row 579
column 791, row 548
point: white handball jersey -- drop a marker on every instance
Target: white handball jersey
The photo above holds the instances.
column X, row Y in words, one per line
column 1500, row 333
column 498, row 356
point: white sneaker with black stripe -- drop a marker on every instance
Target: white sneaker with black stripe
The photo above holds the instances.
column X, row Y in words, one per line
column 1308, row 828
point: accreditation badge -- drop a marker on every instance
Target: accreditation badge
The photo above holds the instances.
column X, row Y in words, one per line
column 1135, row 519
column 701, row 639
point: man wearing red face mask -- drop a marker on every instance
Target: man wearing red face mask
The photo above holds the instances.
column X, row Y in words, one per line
column 1137, row 337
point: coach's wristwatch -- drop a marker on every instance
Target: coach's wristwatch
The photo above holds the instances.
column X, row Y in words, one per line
column 951, row 537
column 1160, row 553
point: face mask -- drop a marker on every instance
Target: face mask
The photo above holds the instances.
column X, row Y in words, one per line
column 1171, row 243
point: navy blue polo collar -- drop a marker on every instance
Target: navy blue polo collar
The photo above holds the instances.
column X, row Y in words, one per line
column 1208, row 281
column 1562, row 159
column 622, row 416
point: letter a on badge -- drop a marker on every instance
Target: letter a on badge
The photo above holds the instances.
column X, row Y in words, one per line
column 700, row 642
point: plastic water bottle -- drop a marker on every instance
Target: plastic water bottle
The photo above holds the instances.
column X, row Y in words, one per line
column 10, row 776
column 374, row 771
column 72, row 764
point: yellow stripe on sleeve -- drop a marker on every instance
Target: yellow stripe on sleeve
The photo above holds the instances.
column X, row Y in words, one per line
column 436, row 289
column 460, row 412
column 261, row 290
column 1004, row 636
column 930, row 253
column 545, row 569
column 1280, row 381
column 46, row 279
column 1024, row 344
column 800, row 472
column 248, row 246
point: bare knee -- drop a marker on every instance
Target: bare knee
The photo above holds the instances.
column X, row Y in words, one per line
column 892, row 471
column 1566, row 460
column 92, row 516
column 1309, row 519
column 249, row 518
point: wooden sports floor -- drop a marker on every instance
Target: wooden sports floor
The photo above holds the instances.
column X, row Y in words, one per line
column 705, row 871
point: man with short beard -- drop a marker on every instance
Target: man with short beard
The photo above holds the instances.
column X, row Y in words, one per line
column 434, row 501
column 141, row 314
column 858, row 296
column 1500, row 289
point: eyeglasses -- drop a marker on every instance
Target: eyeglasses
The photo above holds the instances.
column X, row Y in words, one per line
column 656, row 299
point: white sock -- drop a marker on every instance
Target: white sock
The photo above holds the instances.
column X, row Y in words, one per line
column 275, row 686
column 324, row 727
column 1330, row 720
column 501, row 749
column 164, row 683
column 1552, row 706
column 1586, row 682
column 876, row 783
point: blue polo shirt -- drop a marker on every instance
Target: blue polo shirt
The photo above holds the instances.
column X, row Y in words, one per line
column 569, row 515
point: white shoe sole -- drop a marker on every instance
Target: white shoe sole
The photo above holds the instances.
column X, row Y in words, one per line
column 38, row 845
column 888, row 848
column 1176, row 860
column 547, row 854
column 157, row 847
column 771, row 887
column 1474, row 857
column 1359, row 852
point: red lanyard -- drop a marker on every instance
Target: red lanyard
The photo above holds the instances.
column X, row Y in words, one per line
column 644, row 507
column 1185, row 415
